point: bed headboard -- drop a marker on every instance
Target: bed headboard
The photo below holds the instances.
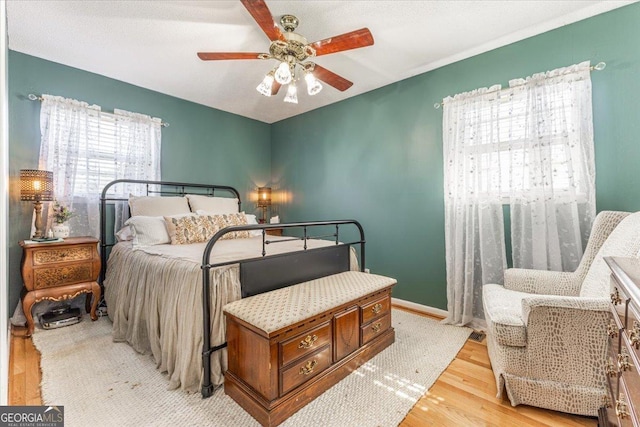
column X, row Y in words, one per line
column 158, row 188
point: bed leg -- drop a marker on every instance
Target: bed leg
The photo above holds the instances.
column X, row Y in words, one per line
column 207, row 390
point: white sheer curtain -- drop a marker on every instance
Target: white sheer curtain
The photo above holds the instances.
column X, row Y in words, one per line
column 137, row 155
column 86, row 148
column 474, row 230
column 529, row 146
column 552, row 197
column 68, row 132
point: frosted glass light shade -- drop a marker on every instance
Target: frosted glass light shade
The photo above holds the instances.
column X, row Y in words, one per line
column 283, row 73
column 313, row 85
column 292, row 94
column 265, row 86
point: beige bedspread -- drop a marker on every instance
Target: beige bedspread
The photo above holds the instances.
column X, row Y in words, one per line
column 154, row 298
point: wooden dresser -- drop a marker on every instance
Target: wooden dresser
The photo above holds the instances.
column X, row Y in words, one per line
column 273, row 373
column 60, row 271
column 622, row 405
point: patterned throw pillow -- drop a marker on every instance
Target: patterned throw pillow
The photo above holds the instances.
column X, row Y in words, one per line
column 213, row 223
column 200, row 228
column 186, row 229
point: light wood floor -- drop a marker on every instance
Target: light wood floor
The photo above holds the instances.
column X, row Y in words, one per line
column 464, row 395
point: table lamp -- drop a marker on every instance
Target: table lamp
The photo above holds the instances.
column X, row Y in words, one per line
column 264, row 201
column 36, row 186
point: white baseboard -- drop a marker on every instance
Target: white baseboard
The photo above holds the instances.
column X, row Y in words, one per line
column 419, row 307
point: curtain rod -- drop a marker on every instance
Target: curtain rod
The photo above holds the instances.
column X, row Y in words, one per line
column 598, row 67
column 33, row 97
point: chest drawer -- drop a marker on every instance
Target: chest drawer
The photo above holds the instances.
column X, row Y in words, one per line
column 58, row 255
column 305, row 369
column 305, row 343
column 65, row 275
column 375, row 309
column 375, row 328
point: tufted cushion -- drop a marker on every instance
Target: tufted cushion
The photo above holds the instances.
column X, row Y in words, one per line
column 503, row 312
column 281, row 308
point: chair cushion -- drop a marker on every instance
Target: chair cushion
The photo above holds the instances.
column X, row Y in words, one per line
column 503, row 313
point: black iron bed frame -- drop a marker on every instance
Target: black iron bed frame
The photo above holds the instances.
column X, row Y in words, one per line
column 257, row 275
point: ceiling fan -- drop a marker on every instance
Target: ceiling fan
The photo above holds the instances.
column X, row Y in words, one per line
column 293, row 51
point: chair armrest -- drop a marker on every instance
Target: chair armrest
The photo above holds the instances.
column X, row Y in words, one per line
column 567, row 339
column 542, row 282
column 558, row 304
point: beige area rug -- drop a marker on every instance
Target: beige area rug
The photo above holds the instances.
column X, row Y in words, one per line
column 102, row 383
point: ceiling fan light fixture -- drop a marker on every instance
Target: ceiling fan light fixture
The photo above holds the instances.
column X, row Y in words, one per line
column 292, row 94
column 265, row 86
column 313, row 85
column 283, row 73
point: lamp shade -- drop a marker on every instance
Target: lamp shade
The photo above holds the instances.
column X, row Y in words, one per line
column 36, row 185
column 264, row 196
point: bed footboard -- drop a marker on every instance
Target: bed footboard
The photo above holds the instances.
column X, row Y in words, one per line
column 270, row 272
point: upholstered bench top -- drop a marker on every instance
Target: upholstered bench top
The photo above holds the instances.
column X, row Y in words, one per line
column 283, row 307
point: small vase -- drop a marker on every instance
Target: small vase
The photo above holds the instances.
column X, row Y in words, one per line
column 61, row 230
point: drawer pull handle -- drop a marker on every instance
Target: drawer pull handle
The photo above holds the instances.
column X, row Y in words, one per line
column 623, row 360
column 65, row 276
column 308, row 367
column 376, row 327
column 612, row 330
column 308, row 341
column 634, row 335
column 615, row 297
column 606, row 402
column 621, row 408
column 610, row 368
column 376, row 308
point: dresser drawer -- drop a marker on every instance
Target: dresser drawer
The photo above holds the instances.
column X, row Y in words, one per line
column 375, row 328
column 620, row 304
column 623, row 406
column 375, row 309
column 302, row 371
column 56, row 276
column 58, row 255
column 305, row 343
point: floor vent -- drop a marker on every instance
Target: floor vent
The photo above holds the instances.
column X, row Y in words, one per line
column 477, row 336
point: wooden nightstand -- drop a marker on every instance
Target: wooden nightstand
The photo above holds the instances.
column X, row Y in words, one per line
column 60, row 271
column 275, row 232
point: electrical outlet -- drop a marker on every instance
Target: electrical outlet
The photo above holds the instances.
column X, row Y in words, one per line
column 366, row 270
column 101, row 311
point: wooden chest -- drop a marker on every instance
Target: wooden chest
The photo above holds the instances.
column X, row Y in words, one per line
column 273, row 374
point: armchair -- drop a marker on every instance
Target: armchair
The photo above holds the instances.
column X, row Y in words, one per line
column 546, row 330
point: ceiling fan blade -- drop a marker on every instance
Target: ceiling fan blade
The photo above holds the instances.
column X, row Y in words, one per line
column 275, row 87
column 347, row 41
column 331, row 78
column 212, row 56
column 260, row 12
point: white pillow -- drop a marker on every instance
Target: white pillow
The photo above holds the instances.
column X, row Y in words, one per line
column 124, row 234
column 158, row 206
column 212, row 205
column 251, row 220
column 148, row 231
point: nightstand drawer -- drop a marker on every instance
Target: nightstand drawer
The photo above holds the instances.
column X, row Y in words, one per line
column 58, row 255
column 58, row 276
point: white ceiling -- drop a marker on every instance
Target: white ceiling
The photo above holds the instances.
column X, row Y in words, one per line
column 153, row 44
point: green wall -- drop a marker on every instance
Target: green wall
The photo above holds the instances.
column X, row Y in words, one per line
column 377, row 157
column 200, row 145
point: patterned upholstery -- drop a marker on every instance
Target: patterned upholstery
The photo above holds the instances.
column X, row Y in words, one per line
column 281, row 308
column 547, row 330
